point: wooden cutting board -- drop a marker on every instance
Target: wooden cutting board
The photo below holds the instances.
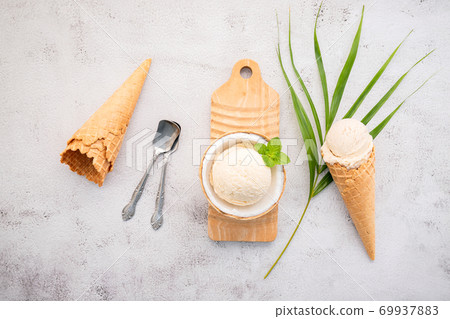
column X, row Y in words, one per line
column 244, row 105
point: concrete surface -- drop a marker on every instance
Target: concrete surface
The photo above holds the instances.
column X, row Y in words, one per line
column 62, row 237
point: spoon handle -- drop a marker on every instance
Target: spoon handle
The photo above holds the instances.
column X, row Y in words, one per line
column 129, row 210
column 157, row 217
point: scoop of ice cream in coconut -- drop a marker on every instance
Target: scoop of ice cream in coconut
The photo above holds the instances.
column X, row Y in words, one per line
column 239, row 175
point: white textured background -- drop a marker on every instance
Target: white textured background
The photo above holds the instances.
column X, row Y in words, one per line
column 62, row 237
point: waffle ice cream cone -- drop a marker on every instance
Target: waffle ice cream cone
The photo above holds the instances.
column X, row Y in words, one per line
column 93, row 149
column 357, row 188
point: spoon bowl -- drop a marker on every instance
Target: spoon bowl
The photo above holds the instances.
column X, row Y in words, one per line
column 165, row 137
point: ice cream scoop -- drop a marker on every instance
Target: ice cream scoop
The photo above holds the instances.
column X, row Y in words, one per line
column 348, row 143
column 239, row 175
column 220, row 209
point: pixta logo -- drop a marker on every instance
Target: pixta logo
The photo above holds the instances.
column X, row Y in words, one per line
column 140, row 149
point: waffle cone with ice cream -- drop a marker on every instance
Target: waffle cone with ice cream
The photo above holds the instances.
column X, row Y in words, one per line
column 93, row 149
column 350, row 156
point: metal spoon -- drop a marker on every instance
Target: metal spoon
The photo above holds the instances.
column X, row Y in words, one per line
column 157, row 217
column 165, row 136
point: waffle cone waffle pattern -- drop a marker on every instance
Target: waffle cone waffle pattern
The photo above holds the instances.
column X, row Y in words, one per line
column 93, row 149
column 357, row 188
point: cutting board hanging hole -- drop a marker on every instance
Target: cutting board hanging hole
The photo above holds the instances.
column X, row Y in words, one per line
column 246, row 72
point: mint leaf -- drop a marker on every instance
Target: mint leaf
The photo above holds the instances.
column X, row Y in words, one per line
column 268, row 161
column 274, row 149
column 275, row 157
column 260, row 148
column 274, row 145
column 271, row 153
column 284, row 159
column 275, row 141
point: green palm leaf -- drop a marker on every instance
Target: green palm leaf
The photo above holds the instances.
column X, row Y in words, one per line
column 308, row 96
column 366, row 91
column 304, row 124
column 322, row 168
column 327, row 179
column 383, row 100
column 383, row 123
column 345, row 73
column 323, row 77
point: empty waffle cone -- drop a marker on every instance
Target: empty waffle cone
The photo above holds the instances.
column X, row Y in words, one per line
column 357, row 188
column 93, row 149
